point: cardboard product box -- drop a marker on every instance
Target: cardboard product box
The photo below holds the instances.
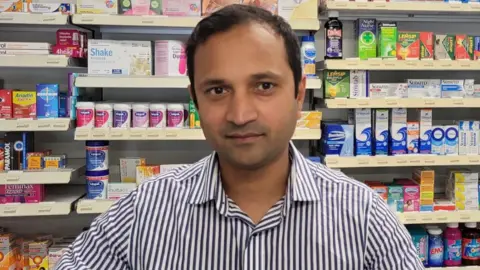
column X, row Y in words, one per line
column 426, row 45
column 16, row 144
column 366, row 37
column 31, row 7
column 11, row 6
column 387, row 40
column 408, row 45
column 5, row 103
column 337, row 83
column 294, row 9
column 97, row 7
column 146, row 172
column 181, row 7
column 115, row 191
column 461, row 47
column 24, row 104
column 25, row 45
column 128, row 168
column 47, row 101
column 210, row 6
column 38, row 255
column 140, row 7
column 270, row 5
column 444, row 47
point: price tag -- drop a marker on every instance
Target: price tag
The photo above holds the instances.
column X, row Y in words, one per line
column 10, row 209
column 331, row 161
column 410, row 221
column 391, row 102
column 473, row 6
column 137, row 134
column 429, row 161
column 454, row 161
column 439, row 217
column 455, row 6
column 86, row 20
column 82, row 133
column 44, row 126
column 380, row 5
column 53, row 62
column 426, row 219
column 390, row 63
column 382, row 161
column 428, row 102
column 340, row 4
column 44, row 210
column 362, row 5
column 60, row 125
column 85, row 209
column 415, row 161
column 351, row 64
column 412, row 63
column 465, row 64
column 341, row 103
column 49, row 19
column 23, row 124
column 401, row 161
column 13, row 176
column 171, row 134
column 363, row 103
column 148, row 22
column 100, row 133
column 458, row 102
column 464, row 217
column 363, row 161
column 153, row 134
column 428, row 64
column 5, row 18
column 473, row 160
column 117, row 134
column 446, row 65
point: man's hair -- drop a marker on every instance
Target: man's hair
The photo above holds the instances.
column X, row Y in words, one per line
column 233, row 15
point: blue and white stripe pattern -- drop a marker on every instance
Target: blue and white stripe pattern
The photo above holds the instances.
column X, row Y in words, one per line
column 183, row 220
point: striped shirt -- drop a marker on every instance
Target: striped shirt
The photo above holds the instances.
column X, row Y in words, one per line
column 183, row 220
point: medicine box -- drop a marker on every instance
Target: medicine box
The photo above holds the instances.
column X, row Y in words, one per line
column 16, row 145
column 146, row 172
column 337, row 83
column 128, row 168
column 408, row 45
column 97, row 7
column 5, row 103
column 35, row 160
column 182, row 7
column 379, row 90
column 411, row 195
column 395, row 197
column 421, row 88
column 426, row 45
column 289, row 9
column 366, row 37
column 398, row 131
column 170, row 58
column 47, row 101
column 461, row 47
column 380, row 189
column 115, row 191
column 25, row 52
column 452, row 88
column 9, row 250
column 381, row 134
column 210, row 6
column 25, row 45
column 139, row 60
column 140, row 7
column 473, row 140
column 359, row 84
column 425, row 119
column 337, row 139
column 31, row 7
column 387, row 40
column 438, row 140
column 11, row 6
column 413, row 137
column 451, row 140
column 38, row 254
column 21, row 193
column 444, row 47
column 70, row 38
column 24, row 104
column 363, row 132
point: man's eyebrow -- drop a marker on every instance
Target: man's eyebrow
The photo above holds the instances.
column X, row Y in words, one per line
column 212, row 82
column 266, row 75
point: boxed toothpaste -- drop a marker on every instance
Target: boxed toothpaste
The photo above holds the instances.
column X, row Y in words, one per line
column 398, row 131
column 47, row 101
column 425, row 119
column 444, row 47
column 422, row 88
column 438, row 140
column 381, row 135
column 413, row 137
column 452, row 88
column 358, row 84
column 451, row 140
column 363, row 132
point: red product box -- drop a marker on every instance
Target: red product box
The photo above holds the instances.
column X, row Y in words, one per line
column 69, row 51
column 25, row 193
column 24, row 104
column 5, row 103
column 461, row 47
column 426, row 45
column 69, row 38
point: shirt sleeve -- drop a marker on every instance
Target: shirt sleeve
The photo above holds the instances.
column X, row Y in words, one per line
column 106, row 244
column 389, row 245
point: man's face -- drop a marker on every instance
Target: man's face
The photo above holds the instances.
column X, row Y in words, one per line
column 245, row 94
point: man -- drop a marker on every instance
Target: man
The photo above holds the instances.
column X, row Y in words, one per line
column 256, row 203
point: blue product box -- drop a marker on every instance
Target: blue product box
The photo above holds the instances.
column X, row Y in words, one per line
column 337, row 139
column 363, row 132
column 47, row 101
column 62, row 105
column 381, row 135
column 71, row 107
column 398, row 131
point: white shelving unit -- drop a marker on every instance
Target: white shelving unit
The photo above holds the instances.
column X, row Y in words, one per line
column 345, row 103
column 92, row 81
column 47, row 124
column 82, row 134
column 393, row 64
column 45, row 176
column 38, row 61
column 85, row 206
column 33, row 18
column 400, row 161
column 439, row 217
column 401, row 7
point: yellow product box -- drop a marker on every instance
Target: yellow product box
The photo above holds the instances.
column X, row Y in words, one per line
column 24, row 104
column 311, row 115
column 467, row 205
column 128, row 168
column 294, row 9
column 464, row 177
column 35, row 160
column 38, row 254
column 424, row 176
column 308, row 124
column 146, row 172
column 11, row 6
column 97, row 7
column 10, row 252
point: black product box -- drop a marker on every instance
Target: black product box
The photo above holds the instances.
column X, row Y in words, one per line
column 17, row 144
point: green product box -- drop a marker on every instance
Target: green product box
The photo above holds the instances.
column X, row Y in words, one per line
column 395, row 197
column 366, row 37
column 471, row 47
column 337, row 83
column 194, row 119
column 126, row 7
column 387, row 40
column 444, row 47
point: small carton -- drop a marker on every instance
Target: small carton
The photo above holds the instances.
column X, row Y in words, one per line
column 288, row 9
column 363, row 130
column 21, row 193
column 444, row 47
column 128, row 168
column 443, row 205
column 194, row 118
column 380, row 189
column 461, row 47
column 476, row 50
column 426, row 45
column 425, row 119
column 337, row 83
column 35, row 160
column 452, row 88
column 96, row 7
column 366, row 36
column 379, row 90
column 5, row 104
column 438, row 140
column 146, row 172
column 387, row 40
column 398, row 131
column 413, row 137
column 184, row 7
column 115, row 191
column 24, row 104
column 38, row 254
column 408, row 45
column 11, row 6
column 451, row 140
column 471, row 47
column 359, row 83
column 421, row 88
column 411, row 195
column 381, row 135
column 69, row 38
column 139, row 7
column 47, row 101
column 31, row 7
column 395, row 197
column 10, row 252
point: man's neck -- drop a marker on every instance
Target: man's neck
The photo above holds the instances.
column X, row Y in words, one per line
column 255, row 192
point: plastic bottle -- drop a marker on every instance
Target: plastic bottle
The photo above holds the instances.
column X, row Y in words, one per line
column 333, row 37
column 435, row 248
column 140, row 115
column 452, row 245
column 420, row 241
column 470, row 244
column 308, row 55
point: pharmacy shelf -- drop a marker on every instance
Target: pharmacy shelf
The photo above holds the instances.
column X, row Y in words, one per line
column 400, row 161
column 439, row 217
column 58, row 201
column 97, row 81
column 47, row 124
column 134, row 134
column 39, row 61
column 397, row 7
column 85, row 206
column 344, row 103
column 379, row 64
column 46, row 176
column 33, row 18
column 165, row 21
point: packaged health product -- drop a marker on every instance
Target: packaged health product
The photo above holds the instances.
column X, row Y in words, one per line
column 472, row 140
column 426, row 179
column 425, row 119
column 107, row 57
column 381, row 138
column 70, row 51
column 97, row 156
column 333, row 37
column 469, row 88
column 139, row 60
column 210, row 6
column 359, row 84
column 97, row 182
column 170, row 58
column 444, row 47
column 363, row 132
column 451, row 140
column 72, row 89
column 337, row 139
column 96, row 7
column 461, row 47
column 438, row 140
column 420, row 241
column 435, row 247
column 183, row 7
column 308, row 53
column 270, row 5
column 70, row 38
column 421, row 88
column 35, row 160
column 290, row 9
column 128, row 168
column 337, row 83
column 470, row 244
column 452, row 88
column 17, row 145
column 146, row 172
column 140, row 115
column 116, row 191
column 401, row 91
column 47, row 100
column 471, row 47
column 463, row 137
column 140, row 7
column 395, row 197
column 398, row 131
column 122, row 115
column 103, row 115
column 175, row 116
column 379, row 90
column 54, row 162
column 366, row 37
column 408, row 45
column 24, row 104
column 476, row 50
column 413, row 137
column 85, row 112
column 25, row 46
column 411, row 195
column 194, row 118
column 380, row 189
column 426, row 45
column 31, row 7
column 387, row 40
column 5, row 104
column 21, row 193
column 24, row 52
column 11, row 6
column 158, row 115
column 186, row 115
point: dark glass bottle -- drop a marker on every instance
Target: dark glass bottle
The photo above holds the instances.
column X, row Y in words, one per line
column 333, row 37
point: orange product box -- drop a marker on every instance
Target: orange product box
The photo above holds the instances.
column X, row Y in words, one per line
column 461, row 47
column 311, row 115
column 38, row 254
column 380, row 189
column 10, row 252
column 24, row 104
column 146, row 172
column 424, row 176
column 35, row 160
column 408, row 45
column 210, row 6
column 426, row 45
column 11, row 6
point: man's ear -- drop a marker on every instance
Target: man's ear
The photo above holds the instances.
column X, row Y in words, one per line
column 301, row 95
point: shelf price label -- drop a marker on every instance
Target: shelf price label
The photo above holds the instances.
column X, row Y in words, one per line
column 454, row 161
column 82, row 133
column 382, row 161
column 473, row 160
column 137, row 134
column 153, row 134
column 117, row 134
column 13, row 176
column 401, row 161
column 429, row 161
column 9, row 210
column 339, row 103
column 171, row 134
column 331, row 161
column 391, row 103
column 457, row 102
column 464, row 217
column 44, row 210
column 60, row 125
column 428, row 102
column 23, row 125
column 44, row 126
column 415, row 161
column 363, row 161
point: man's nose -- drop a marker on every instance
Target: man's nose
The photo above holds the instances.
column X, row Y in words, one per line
column 242, row 108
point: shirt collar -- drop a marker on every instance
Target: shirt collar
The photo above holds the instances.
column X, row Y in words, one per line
column 302, row 184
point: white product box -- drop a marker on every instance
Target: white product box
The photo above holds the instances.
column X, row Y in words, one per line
column 413, row 137
column 97, row 7
column 168, row 167
column 25, row 46
column 452, row 88
column 363, row 131
column 476, row 91
column 379, row 90
column 24, row 52
column 139, row 57
column 49, row 8
column 128, row 168
column 116, row 191
column 401, row 91
column 469, row 88
column 472, row 140
column 358, row 84
column 451, row 140
column 294, row 9
column 463, row 137
column 170, row 58
column 438, row 140
column 421, row 88
column 425, row 119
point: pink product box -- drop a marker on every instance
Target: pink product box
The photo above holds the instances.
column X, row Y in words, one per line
column 411, row 198
column 71, row 38
column 21, row 193
column 74, row 52
column 181, row 7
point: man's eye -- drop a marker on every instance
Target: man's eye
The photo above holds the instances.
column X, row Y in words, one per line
column 216, row 91
column 265, row 86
